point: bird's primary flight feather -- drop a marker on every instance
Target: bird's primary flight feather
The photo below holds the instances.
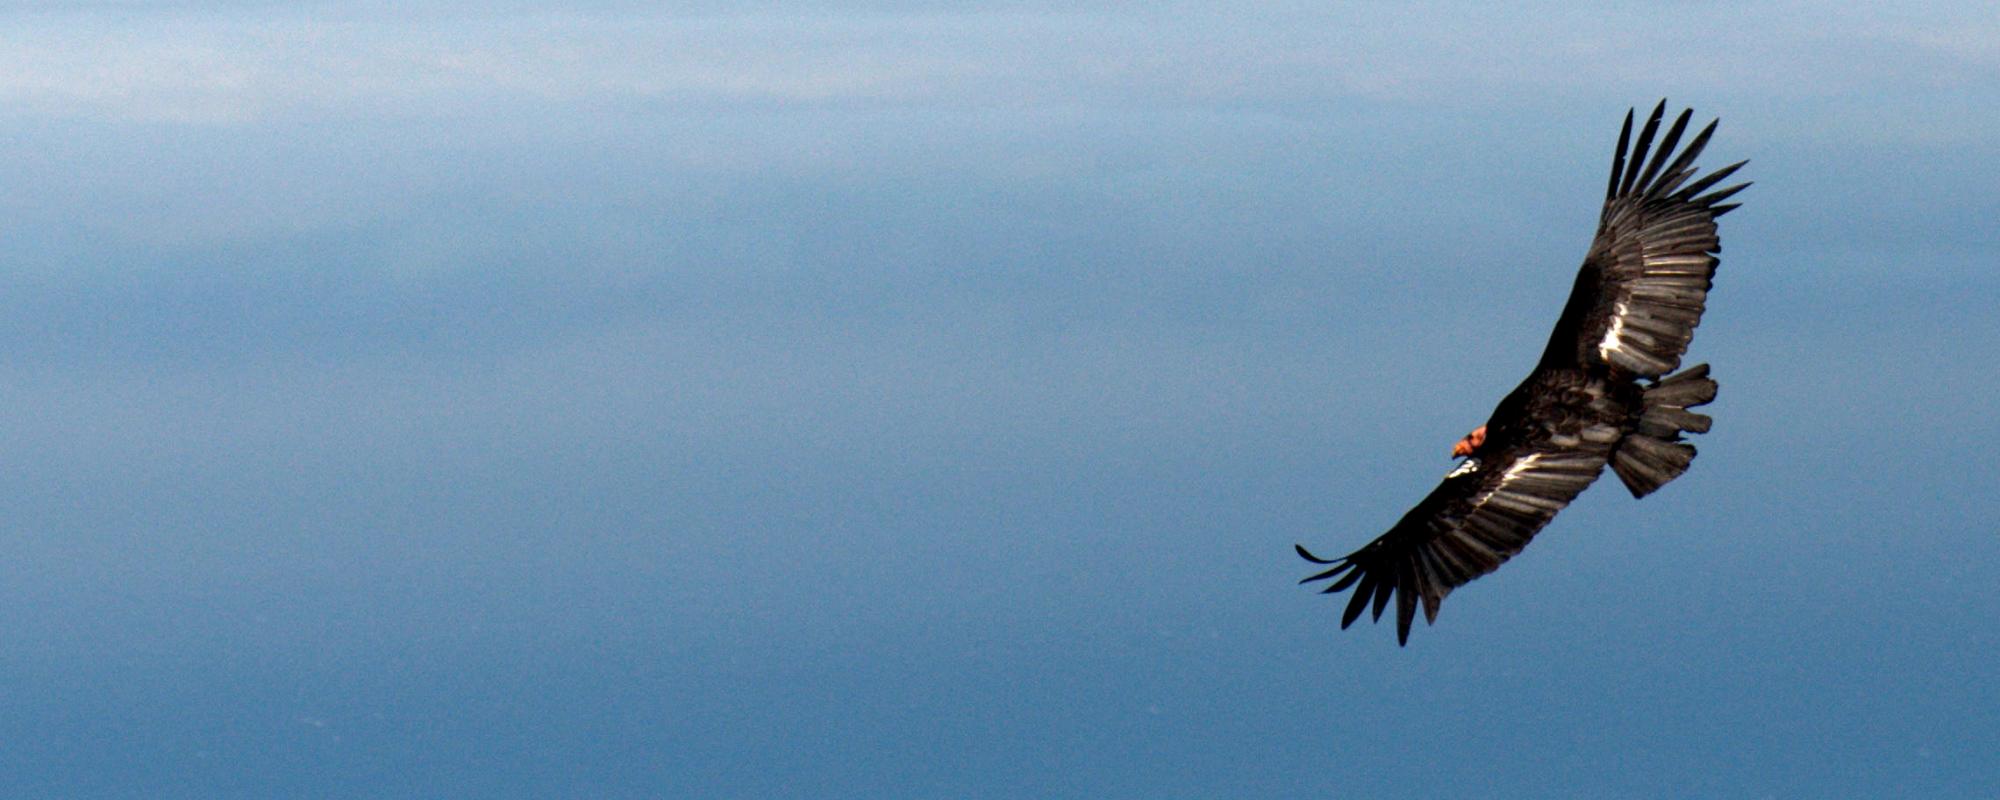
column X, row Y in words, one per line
column 1601, row 395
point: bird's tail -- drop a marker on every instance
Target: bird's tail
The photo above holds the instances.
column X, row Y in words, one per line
column 1653, row 454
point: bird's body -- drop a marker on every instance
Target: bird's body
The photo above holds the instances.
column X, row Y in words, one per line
column 1600, row 395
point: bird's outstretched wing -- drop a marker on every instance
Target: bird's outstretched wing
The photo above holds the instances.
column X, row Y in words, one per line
column 1644, row 284
column 1480, row 516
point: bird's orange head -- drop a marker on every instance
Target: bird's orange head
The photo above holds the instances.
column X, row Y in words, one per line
column 1471, row 442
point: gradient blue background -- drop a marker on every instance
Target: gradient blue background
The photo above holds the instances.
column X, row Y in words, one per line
column 896, row 400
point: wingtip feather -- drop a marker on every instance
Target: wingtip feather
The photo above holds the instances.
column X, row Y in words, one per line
column 1647, row 183
column 1359, row 602
column 1406, row 606
column 1384, row 589
column 1618, row 156
column 1641, row 148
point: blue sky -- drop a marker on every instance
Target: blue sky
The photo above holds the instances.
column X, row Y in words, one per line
column 901, row 400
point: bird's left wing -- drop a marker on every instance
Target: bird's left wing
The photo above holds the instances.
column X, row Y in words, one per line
column 1480, row 516
column 1644, row 284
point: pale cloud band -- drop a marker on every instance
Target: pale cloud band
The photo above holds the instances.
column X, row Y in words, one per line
column 234, row 66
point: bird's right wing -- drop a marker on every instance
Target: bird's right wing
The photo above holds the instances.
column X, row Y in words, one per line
column 1480, row 516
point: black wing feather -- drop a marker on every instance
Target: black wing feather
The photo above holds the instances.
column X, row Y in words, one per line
column 1644, row 285
column 1359, row 602
column 1406, row 600
column 1618, row 159
column 1640, row 149
column 1344, row 582
column 1713, row 178
column 1466, row 528
column 1667, row 143
column 1679, row 169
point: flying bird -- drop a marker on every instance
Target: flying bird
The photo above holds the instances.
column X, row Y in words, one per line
column 1604, row 393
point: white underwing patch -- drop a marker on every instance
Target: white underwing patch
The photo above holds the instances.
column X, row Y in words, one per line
column 1523, row 465
column 1613, row 341
column 1465, row 467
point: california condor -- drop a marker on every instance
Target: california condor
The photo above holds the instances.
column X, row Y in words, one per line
column 1602, row 393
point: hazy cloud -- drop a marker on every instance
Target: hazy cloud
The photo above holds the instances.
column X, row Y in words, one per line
column 191, row 63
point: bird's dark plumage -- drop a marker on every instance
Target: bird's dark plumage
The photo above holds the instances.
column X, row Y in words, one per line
column 1601, row 394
